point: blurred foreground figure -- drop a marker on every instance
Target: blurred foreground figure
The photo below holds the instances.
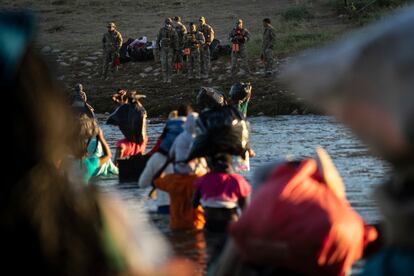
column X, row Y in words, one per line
column 367, row 82
column 298, row 223
column 49, row 225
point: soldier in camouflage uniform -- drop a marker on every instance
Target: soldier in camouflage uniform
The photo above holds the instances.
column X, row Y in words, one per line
column 193, row 41
column 167, row 42
column 238, row 37
column 208, row 33
column 181, row 32
column 269, row 38
column 111, row 42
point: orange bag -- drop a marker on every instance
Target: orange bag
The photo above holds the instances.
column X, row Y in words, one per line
column 117, row 62
column 186, row 51
column 235, row 47
column 300, row 220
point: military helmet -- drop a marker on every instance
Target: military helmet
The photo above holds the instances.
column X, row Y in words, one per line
column 240, row 91
column 78, row 87
column 202, row 19
column 168, row 21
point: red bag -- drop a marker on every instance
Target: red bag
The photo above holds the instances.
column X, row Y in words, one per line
column 117, row 61
column 300, row 220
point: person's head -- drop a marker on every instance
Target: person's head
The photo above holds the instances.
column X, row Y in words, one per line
column 266, row 22
column 193, row 27
column 177, row 19
column 221, row 162
column 78, row 88
column 173, row 114
column 168, row 22
column 87, row 128
column 111, row 27
column 120, row 96
column 240, row 91
column 202, row 20
column 183, row 110
column 239, row 24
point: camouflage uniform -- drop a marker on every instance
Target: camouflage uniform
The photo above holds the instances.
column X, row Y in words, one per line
column 269, row 38
column 208, row 33
column 194, row 41
column 112, row 42
column 238, row 38
column 181, row 32
column 167, row 41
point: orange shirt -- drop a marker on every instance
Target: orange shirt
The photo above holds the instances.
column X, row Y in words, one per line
column 182, row 214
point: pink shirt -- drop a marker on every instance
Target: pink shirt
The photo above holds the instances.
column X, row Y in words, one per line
column 130, row 148
column 222, row 189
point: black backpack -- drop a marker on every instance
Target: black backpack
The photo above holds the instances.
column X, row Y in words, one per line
column 220, row 130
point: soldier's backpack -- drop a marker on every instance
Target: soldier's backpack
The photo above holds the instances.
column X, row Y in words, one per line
column 220, row 130
column 130, row 118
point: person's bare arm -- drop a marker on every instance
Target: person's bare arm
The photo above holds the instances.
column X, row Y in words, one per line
column 118, row 154
column 243, row 202
column 196, row 198
column 106, row 150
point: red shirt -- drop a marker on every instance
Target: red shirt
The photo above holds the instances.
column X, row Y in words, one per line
column 129, row 148
column 222, row 187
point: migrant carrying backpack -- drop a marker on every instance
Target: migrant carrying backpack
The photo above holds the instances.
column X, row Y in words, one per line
column 130, row 118
column 220, row 130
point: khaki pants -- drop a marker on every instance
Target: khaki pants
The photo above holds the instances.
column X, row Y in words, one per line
column 193, row 65
column 268, row 60
column 205, row 59
column 242, row 55
column 108, row 61
column 166, row 57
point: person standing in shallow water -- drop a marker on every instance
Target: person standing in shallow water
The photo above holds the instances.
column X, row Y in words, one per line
column 111, row 44
column 221, row 192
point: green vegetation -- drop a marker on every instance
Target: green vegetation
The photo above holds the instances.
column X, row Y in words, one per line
column 362, row 12
column 297, row 13
column 297, row 41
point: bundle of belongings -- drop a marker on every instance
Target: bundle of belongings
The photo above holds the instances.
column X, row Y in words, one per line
column 217, row 49
column 130, row 118
column 137, row 50
column 221, row 128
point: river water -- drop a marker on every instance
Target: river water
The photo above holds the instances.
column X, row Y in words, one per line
column 272, row 138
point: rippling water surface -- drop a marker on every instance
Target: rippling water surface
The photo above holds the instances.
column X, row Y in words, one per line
column 273, row 138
